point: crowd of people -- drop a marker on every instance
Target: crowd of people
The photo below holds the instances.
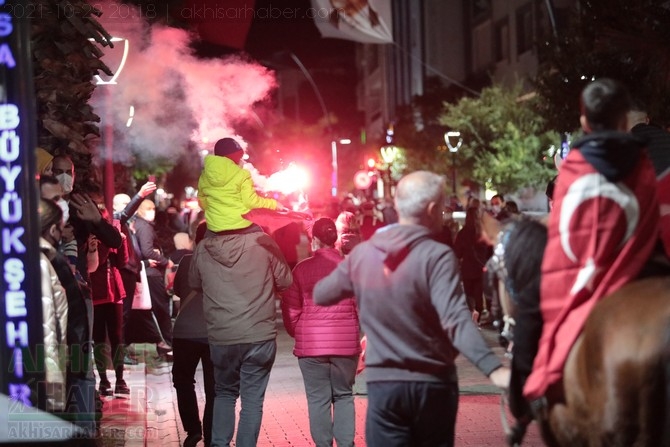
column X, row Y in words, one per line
column 405, row 276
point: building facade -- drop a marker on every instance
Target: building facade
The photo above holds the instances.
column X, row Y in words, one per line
column 464, row 43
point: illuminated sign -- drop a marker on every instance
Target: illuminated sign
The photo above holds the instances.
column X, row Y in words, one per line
column 21, row 337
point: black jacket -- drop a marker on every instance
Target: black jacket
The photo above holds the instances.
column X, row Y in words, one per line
column 78, row 338
column 148, row 248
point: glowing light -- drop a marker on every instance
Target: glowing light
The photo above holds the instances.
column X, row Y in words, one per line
column 117, row 72
column 131, row 115
column 192, row 204
column 289, row 180
column 371, row 163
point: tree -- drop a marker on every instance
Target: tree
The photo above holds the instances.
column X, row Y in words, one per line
column 64, row 62
column 620, row 39
column 505, row 144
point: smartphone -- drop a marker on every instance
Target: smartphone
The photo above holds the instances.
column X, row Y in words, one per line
column 152, row 178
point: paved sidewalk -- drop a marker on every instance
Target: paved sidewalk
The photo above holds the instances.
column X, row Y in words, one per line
column 149, row 416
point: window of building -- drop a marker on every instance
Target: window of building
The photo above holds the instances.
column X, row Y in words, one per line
column 480, row 10
column 501, row 41
column 481, row 47
column 524, row 28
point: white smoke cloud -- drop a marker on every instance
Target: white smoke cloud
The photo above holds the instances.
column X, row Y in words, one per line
column 177, row 98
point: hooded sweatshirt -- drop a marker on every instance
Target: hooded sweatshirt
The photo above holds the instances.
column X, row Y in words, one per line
column 411, row 306
column 239, row 276
column 226, row 193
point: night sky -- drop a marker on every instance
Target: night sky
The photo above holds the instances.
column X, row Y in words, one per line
column 330, row 61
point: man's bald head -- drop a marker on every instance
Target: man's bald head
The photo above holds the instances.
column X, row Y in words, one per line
column 120, row 201
column 414, row 195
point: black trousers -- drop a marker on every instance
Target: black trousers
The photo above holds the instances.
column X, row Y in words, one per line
column 187, row 354
column 160, row 304
column 107, row 323
column 139, row 326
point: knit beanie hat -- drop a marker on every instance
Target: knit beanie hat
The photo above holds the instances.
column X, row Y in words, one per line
column 43, row 159
column 228, row 147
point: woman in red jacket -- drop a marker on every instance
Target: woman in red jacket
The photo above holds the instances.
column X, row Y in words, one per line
column 326, row 342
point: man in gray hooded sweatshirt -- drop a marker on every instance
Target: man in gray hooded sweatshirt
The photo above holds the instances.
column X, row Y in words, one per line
column 413, row 311
column 239, row 275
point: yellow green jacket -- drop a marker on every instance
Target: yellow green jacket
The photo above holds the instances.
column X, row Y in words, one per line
column 226, row 193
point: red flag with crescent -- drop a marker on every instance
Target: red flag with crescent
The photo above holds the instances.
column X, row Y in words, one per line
column 600, row 234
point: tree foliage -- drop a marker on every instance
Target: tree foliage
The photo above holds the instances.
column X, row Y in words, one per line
column 418, row 131
column 505, row 144
column 620, row 39
column 64, row 46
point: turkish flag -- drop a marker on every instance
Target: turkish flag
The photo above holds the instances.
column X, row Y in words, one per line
column 221, row 22
column 664, row 201
column 271, row 220
column 600, row 234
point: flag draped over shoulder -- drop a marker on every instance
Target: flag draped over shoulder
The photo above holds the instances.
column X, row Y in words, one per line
column 365, row 21
column 600, row 234
column 271, row 220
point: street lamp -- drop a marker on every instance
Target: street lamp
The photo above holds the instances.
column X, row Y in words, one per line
column 333, row 150
column 388, row 154
column 453, row 149
column 114, row 59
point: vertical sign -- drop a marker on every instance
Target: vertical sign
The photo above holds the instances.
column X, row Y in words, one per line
column 21, row 337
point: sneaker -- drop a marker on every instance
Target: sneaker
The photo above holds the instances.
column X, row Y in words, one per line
column 167, row 357
column 128, row 360
column 163, row 348
column 121, row 387
column 105, row 388
column 192, row 439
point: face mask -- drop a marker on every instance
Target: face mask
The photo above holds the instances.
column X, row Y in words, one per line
column 66, row 182
column 149, row 216
column 495, row 209
column 62, row 203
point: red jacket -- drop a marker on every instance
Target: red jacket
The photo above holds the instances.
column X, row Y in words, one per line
column 319, row 330
column 600, row 234
column 106, row 283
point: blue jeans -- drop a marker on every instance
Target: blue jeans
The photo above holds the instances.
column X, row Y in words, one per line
column 411, row 413
column 328, row 385
column 243, row 371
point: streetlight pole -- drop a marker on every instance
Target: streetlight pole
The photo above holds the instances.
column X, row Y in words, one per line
column 388, row 154
column 333, row 149
column 334, row 173
column 453, row 149
column 108, row 123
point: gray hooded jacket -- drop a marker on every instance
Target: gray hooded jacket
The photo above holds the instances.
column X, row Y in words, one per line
column 239, row 275
column 411, row 306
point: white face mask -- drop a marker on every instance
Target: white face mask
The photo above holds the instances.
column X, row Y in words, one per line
column 66, row 182
column 150, row 215
column 62, row 203
column 496, row 209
